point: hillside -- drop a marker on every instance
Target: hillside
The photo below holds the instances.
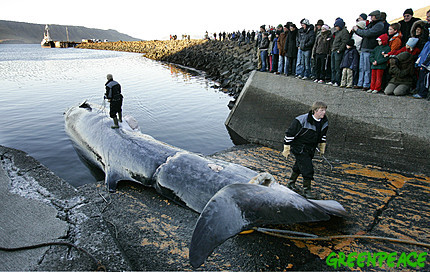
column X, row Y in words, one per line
column 18, row 32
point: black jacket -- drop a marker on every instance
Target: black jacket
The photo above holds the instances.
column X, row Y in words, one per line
column 303, row 131
column 306, row 38
column 113, row 90
column 370, row 34
column 290, row 44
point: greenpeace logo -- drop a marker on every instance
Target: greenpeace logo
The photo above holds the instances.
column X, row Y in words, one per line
column 379, row 259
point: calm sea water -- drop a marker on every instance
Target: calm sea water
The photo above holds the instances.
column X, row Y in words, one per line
column 37, row 85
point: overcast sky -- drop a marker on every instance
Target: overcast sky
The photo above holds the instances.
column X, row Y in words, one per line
column 157, row 19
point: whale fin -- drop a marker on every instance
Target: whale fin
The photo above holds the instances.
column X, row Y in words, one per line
column 331, row 207
column 242, row 206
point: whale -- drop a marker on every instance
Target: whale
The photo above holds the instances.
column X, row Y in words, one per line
column 229, row 197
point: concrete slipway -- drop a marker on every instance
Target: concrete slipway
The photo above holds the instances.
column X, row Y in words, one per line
column 137, row 229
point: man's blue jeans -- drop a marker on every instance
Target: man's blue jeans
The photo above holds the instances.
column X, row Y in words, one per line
column 263, row 60
column 303, row 67
column 365, row 72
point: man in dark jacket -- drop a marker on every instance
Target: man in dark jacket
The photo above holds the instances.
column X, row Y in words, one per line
column 406, row 24
column 372, row 31
column 305, row 133
column 264, row 47
column 114, row 96
column 305, row 43
column 291, row 51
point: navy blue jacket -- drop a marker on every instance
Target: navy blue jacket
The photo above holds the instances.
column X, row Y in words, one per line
column 350, row 59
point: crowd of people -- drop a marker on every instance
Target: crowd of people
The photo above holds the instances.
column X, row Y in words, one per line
column 373, row 56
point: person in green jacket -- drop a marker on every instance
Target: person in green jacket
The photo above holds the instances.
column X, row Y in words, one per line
column 379, row 63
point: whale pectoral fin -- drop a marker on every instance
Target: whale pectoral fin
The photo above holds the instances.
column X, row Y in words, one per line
column 331, row 207
column 238, row 207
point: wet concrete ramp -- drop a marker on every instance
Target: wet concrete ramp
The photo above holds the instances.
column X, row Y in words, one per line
column 386, row 131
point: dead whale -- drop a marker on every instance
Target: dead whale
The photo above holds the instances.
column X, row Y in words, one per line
column 229, row 197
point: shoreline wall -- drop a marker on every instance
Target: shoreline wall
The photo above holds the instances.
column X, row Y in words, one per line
column 387, row 131
column 223, row 61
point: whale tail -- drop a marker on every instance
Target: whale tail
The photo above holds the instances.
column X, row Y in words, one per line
column 239, row 207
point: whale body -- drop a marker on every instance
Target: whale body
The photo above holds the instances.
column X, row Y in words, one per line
column 229, row 197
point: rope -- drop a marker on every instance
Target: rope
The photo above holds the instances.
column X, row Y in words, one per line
column 277, row 233
column 100, row 267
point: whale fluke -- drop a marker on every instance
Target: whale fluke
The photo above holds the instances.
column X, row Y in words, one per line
column 239, row 207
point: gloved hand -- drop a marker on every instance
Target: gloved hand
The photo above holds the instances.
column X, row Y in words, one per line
column 321, row 147
column 286, row 151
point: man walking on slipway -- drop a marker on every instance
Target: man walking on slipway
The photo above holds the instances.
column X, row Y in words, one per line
column 114, row 96
column 306, row 133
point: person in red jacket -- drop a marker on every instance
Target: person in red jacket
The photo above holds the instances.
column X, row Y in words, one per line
column 409, row 47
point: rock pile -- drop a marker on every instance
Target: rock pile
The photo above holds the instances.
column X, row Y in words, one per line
column 223, row 61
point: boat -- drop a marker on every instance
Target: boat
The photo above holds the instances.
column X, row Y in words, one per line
column 47, row 42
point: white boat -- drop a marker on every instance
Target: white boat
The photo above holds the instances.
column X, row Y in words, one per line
column 47, row 42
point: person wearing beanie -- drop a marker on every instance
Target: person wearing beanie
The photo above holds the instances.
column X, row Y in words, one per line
column 349, row 64
column 409, row 47
column 373, row 30
column 406, row 24
column 318, row 26
column 362, row 18
column 379, row 63
column 305, row 42
column 341, row 37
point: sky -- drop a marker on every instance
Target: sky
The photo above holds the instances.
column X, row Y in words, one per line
column 149, row 20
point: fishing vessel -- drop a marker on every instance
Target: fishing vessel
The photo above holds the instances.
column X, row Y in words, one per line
column 47, row 42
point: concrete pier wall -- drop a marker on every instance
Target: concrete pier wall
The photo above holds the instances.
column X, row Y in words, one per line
column 387, row 131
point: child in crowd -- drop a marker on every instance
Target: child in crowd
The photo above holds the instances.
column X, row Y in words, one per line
column 409, row 47
column 395, row 36
column 423, row 64
column 349, row 64
column 378, row 60
column 320, row 51
column 402, row 72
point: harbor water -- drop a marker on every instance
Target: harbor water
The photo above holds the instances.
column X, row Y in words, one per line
column 174, row 105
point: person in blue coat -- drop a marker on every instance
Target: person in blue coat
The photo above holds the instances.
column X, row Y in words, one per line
column 423, row 64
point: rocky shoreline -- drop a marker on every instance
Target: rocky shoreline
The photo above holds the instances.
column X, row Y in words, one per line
column 223, row 61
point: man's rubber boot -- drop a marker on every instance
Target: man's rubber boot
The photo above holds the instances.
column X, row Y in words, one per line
column 115, row 121
column 307, row 191
column 292, row 181
column 120, row 117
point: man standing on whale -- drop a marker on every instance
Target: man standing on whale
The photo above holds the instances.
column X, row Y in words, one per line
column 307, row 132
column 114, row 96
